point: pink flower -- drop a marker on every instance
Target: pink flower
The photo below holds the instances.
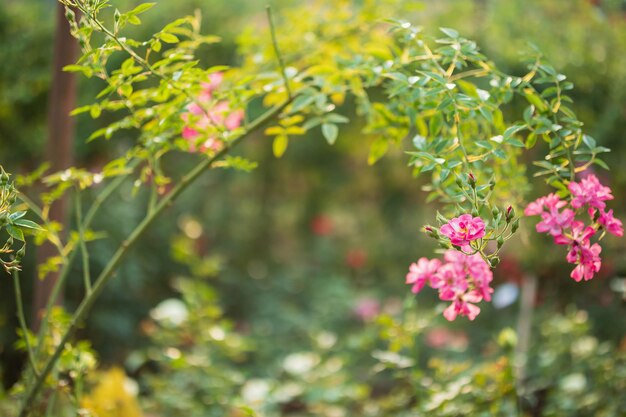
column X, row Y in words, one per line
column 589, row 191
column 579, row 234
column 450, row 280
column 422, row 272
column 610, row 223
column 464, row 229
column 366, row 308
column 476, row 268
column 462, row 307
column 535, row 208
column 587, row 259
column 199, row 119
column 554, row 222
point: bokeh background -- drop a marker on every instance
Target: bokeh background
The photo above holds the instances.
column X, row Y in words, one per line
column 316, row 245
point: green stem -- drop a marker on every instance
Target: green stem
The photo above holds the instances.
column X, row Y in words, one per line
column 145, row 64
column 22, row 320
column 81, row 241
column 279, row 57
column 55, row 240
column 54, row 294
column 125, row 247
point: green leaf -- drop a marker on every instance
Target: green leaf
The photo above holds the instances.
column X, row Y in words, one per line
column 17, row 215
column 28, row 224
column 141, row 8
column 377, row 150
column 280, row 145
column 87, row 71
column 15, row 232
column 499, row 153
column 450, row 32
column 512, row 130
column 301, row 102
column 534, row 99
column 330, row 132
column 515, row 142
column 336, row 118
column 239, row 163
column 531, row 140
column 589, row 141
column 95, row 111
column 435, row 124
column 168, row 37
column 601, row 163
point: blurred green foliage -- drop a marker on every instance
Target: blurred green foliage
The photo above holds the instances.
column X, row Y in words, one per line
column 298, row 250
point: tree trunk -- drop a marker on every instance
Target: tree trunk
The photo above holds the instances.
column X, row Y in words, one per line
column 59, row 152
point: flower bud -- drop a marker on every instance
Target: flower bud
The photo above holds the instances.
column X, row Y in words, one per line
column 492, row 185
column 4, row 177
column 494, row 261
column 471, row 180
column 459, row 183
column 510, row 213
column 500, row 242
column 515, row 226
column 431, row 232
column 20, row 253
column 495, row 211
column 475, row 213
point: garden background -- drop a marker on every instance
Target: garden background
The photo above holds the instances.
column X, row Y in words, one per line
column 292, row 276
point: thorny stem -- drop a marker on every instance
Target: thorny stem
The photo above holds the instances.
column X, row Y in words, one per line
column 121, row 253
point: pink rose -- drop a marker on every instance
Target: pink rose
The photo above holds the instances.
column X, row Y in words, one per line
column 463, row 229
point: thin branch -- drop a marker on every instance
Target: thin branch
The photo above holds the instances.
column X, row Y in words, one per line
column 22, row 320
column 279, row 57
column 145, row 64
column 81, row 242
column 54, row 294
column 127, row 244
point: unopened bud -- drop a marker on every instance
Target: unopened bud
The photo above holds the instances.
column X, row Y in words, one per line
column 459, row 183
column 4, row 177
column 500, row 242
column 494, row 261
column 475, row 213
column 471, row 180
column 515, row 226
column 20, row 253
column 510, row 213
column 492, row 185
column 431, row 232
column 495, row 211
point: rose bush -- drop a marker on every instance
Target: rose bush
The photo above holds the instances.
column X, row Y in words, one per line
column 439, row 91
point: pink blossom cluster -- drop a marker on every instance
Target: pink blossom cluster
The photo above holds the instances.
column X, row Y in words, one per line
column 462, row 279
column 463, row 229
column 559, row 219
column 199, row 119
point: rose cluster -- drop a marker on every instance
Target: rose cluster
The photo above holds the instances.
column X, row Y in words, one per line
column 462, row 279
column 561, row 219
column 219, row 116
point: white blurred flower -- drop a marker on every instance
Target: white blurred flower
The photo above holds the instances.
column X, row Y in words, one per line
column 172, row 311
column 300, row 363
